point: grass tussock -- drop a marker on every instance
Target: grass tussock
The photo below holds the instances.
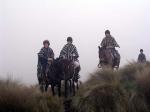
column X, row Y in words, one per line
column 126, row 90
column 15, row 97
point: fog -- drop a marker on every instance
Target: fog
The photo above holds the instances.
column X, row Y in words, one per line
column 24, row 24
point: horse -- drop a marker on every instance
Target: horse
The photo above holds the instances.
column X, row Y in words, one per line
column 107, row 58
column 69, row 75
column 56, row 71
column 48, row 75
column 53, row 77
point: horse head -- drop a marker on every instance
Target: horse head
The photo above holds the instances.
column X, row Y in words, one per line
column 66, row 68
column 102, row 54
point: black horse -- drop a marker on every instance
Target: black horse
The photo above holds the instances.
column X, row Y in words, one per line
column 48, row 75
column 53, row 76
column 68, row 74
column 56, row 71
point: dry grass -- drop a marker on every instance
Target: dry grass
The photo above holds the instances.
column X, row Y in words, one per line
column 126, row 90
column 15, row 97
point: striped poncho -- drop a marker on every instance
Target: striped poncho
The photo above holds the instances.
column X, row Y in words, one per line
column 109, row 42
column 69, row 52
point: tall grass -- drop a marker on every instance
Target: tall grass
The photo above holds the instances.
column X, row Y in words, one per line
column 126, row 90
column 15, row 97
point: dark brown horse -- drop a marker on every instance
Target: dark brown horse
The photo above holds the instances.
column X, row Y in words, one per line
column 48, row 75
column 69, row 75
column 61, row 70
column 53, row 78
column 107, row 58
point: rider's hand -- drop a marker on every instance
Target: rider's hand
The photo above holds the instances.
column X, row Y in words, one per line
column 50, row 59
column 118, row 46
column 73, row 55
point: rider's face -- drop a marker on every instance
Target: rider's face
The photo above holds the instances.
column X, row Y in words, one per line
column 46, row 45
column 107, row 35
column 69, row 42
column 141, row 51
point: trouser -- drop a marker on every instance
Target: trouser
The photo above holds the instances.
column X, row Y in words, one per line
column 116, row 57
column 77, row 69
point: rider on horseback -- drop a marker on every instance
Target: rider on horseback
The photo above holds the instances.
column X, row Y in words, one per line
column 109, row 43
column 141, row 57
column 45, row 56
column 70, row 52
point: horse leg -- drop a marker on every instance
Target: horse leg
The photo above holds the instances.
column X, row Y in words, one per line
column 53, row 89
column 46, row 87
column 66, row 88
column 41, row 88
column 117, row 68
column 70, row 86
column 77, row 86
column 111, row 64
column 59, row 89
column 73, row 86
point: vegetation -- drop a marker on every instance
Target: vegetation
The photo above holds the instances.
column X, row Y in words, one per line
column 126, row 90
column 15, row 97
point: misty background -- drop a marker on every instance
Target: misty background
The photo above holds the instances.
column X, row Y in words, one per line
column 24, row 24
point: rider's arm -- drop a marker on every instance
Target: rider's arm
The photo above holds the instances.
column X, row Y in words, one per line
column 103, row 43
column 139, row 58
column 63, row 52
column 52, row 54
column 144, row 58
column 76, row 53
column 41, row 54
column 115, row 43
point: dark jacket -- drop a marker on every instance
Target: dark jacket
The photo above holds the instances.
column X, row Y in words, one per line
column 141, row 58
column 45, row 53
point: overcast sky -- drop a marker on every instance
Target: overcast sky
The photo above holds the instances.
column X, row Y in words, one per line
column 24, row 24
